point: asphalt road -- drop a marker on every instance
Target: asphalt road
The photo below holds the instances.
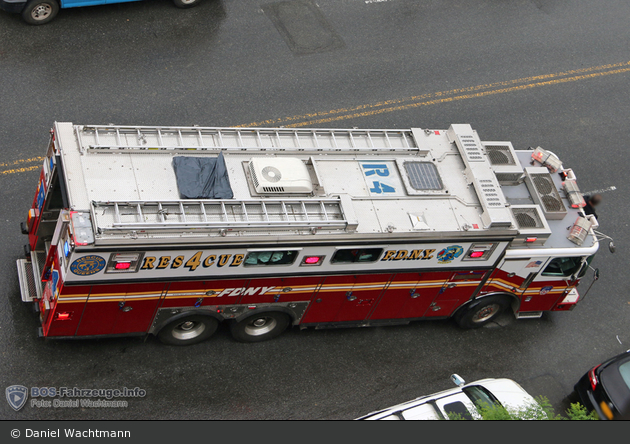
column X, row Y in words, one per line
column 541, row 72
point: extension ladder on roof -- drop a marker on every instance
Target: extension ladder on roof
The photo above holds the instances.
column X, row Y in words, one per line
column 115, row 217
column 108, row 138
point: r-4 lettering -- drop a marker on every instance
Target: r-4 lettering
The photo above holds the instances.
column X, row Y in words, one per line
column 380, row 187
column 378, row 169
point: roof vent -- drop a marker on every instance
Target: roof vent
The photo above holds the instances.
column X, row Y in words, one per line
column 504, row 162
column 478, row 169
column 273, row 175
column 527, row 217
column 544, row 192
column 500, row 155
column 531, row 223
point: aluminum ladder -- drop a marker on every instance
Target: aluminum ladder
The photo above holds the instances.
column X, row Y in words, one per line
column 114, row 217
column 108, row 138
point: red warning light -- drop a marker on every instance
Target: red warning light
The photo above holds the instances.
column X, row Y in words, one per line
column 531, row 239
column 64, row 316
column 312, row 260
column 476, row 254
column 122, row 265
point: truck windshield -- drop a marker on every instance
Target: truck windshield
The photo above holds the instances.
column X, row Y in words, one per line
column 566, row 266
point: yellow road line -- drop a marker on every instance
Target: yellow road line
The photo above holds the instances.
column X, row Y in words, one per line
column 455, row 98
column 409, row 102
column 282, row 120
column 20, row 170
column 19, row 161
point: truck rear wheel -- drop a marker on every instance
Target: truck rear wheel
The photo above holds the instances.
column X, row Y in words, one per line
column 189, row 330
column 479, row 313
column 38, row 12
column 260, row 327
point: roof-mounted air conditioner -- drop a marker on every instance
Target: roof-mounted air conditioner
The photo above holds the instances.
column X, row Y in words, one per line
column 544, row 192
column 504, row 162
column 531, row 223
column 277, row 175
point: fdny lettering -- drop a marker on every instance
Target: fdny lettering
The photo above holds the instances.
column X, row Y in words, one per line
column 404, row 255
column 244, row 291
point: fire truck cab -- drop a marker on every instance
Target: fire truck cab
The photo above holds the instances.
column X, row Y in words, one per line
column 170, row 231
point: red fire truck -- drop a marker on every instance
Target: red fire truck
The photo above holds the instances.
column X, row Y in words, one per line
column 170, row 231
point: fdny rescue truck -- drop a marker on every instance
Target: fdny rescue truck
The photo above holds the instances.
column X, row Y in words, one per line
column 170, row 231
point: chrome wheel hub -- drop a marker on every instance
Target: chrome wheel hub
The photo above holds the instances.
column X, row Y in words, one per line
column 260, row 326
column 40, row 12
column 486, row 313
column 188, row 330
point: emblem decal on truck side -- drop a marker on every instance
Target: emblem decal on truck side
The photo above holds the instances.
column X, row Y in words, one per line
column 87, row 265
column 447, row 255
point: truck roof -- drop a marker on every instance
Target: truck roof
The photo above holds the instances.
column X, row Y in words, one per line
column 312, row 184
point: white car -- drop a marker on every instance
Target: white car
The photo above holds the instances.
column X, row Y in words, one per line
column 460, row 400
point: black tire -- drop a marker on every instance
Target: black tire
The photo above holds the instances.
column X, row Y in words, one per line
column 479, row 313
column 188, row 330
column 186, row 3
column 39, row 12
column 260, row 327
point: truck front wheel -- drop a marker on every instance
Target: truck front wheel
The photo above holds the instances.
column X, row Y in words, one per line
column 186, row 3
column 260, row 327
column 39, row 12
column 189, row 330
column 479, row 313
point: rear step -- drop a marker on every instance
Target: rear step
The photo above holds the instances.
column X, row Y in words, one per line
column 28, row 287
column 529, row 314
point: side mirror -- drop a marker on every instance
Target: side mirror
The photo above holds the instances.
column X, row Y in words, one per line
column 596, row 274
column 457, row 380
column 611, row 247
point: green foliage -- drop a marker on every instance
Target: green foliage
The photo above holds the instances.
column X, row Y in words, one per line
column 540, row 410
column 577, row 412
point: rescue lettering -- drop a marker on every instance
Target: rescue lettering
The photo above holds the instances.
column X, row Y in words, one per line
column 194, row 261
column 148, row 263
column 177, row 262
column 238, row 260
column 209, row 260
column 404, row 255
column 164, row 260
column 223, row 259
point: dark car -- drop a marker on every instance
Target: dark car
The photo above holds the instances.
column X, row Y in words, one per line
column 606, row 388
